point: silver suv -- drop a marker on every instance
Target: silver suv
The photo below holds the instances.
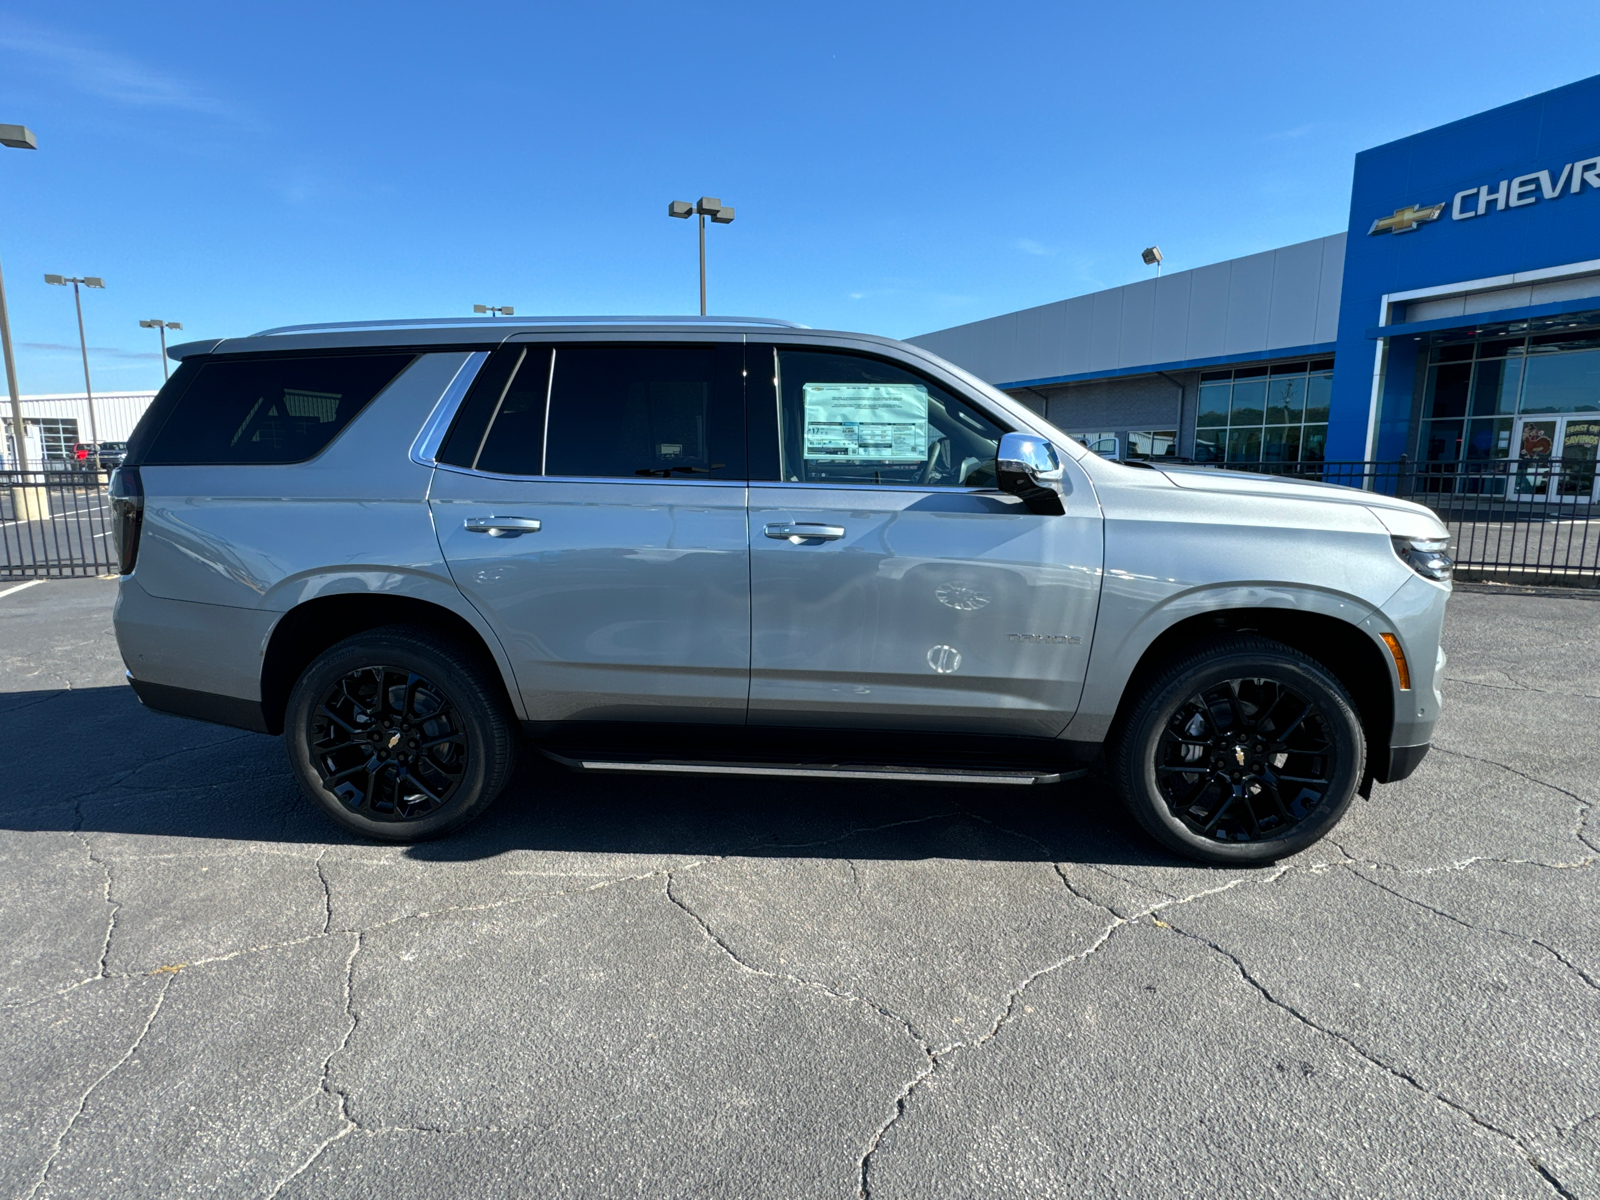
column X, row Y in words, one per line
column 742, row 546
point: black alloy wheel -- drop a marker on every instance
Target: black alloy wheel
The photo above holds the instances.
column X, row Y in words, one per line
column 388, row 743
column 1245, row 760
column 1243, row 751
column 400, row 734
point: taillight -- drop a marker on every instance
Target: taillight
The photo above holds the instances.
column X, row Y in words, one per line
column 127, row 514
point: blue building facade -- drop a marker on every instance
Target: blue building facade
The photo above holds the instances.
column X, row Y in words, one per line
column 1506, row 259
column 1457, row 318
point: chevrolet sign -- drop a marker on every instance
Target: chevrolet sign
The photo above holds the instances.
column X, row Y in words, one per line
column 1404, row 220
column 1510, row 193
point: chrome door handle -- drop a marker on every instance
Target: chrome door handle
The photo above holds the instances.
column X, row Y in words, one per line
column 803, row 531
column 501, row 526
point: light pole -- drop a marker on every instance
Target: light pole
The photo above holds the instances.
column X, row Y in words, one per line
column 505, row 310
column 706, row 206
column 18, row 137
column 93, row 281
column 163, row 326
column 1152, row 258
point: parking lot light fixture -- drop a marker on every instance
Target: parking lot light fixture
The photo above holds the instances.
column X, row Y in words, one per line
column 706, row 206
column 17, row 137
column 163, row 326
column 505, row 310
column 90, row 281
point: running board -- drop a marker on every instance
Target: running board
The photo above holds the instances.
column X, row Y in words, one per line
column 664, row 766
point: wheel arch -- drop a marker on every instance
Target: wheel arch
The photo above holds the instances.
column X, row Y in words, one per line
column 1344, row 649
column 309, row 628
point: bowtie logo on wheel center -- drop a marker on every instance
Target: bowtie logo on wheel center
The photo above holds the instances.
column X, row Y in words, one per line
column 1238, row 754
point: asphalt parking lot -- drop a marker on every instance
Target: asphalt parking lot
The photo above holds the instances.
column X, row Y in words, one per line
column 747, row 988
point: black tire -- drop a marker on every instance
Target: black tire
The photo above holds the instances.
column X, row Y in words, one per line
column 1232, row 808
column 445, row 754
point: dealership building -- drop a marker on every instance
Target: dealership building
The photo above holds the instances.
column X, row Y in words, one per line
column 1457, row 318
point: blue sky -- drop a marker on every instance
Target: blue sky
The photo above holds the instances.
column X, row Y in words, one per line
column 896, row 168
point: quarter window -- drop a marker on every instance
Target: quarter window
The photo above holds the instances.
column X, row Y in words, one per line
column 851, row 419
column 269, row 409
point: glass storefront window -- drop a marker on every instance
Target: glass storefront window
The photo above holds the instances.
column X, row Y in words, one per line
column 1261, row 414
column 1213, row 404
column 1441, row 441
column 1447, row 390
column 1489, row 438
column 1313, row 440
column 1556, row 382
column 1286, row 400
column 1280, row 443
column 1494, row 379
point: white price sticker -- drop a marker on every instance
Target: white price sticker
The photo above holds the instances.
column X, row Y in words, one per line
column 877, row 422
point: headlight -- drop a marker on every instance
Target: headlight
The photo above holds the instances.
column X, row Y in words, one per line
column 1426, row 556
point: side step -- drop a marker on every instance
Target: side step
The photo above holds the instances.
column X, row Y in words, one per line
column 897, row 774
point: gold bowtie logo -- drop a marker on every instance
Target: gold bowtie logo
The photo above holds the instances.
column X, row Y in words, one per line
column 1406, row 219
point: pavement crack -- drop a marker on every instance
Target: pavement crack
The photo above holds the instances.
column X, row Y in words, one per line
column 327, row 895
column 1403, row 1076
column 1584, row 806
column 348, row 1124
column 102, row 971
column 83, row 1101
column 1506, row 933
column 1502, row 687
column 930, row 1055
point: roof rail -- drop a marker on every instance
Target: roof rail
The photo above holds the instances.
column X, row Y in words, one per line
column 513, row 322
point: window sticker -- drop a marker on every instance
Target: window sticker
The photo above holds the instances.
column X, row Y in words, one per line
column 880, row 422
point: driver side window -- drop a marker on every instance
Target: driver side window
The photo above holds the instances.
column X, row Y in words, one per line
column 847, row 418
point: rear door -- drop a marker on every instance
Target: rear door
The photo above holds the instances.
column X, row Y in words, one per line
column 590, row 501
column 892, row 587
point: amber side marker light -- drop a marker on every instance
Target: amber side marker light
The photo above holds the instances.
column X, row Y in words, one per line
column 1399, row 655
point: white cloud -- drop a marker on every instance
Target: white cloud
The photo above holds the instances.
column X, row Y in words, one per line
column 108, row 351
column 111, row 76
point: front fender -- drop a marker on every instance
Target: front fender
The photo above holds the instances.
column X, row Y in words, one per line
column 1137, row 610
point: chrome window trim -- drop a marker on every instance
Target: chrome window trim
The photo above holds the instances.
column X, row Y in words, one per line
column 872, row 487
column 425, row 449
column 622, row 479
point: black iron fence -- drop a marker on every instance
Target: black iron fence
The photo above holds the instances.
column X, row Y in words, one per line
column 55, row 524
column 1520, row 521
column 1514, row 521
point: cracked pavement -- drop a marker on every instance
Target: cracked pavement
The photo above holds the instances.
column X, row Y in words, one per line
column 621, row 986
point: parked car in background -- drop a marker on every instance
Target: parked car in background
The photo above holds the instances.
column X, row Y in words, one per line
column 108, row 457
column 745, row 547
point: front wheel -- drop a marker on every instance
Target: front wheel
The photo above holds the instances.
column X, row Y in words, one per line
column 1243, row 752
column 399, row 735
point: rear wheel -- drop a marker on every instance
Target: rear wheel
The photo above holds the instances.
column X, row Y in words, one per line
column 1243, row 752
column 399, row 735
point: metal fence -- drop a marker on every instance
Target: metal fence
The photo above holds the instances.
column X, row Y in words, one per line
column 55, row 524
column 1527, row 520
column 1519, row 521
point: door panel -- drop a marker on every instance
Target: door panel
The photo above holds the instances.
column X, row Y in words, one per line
column 631, row 601
column 935, row 610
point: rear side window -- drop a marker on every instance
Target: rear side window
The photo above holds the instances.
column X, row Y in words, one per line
column 268, row 409
column 618, row 412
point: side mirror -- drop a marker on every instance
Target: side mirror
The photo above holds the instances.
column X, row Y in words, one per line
column 1027, row 466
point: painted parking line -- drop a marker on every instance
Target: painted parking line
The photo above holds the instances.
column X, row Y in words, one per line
column 19, row 587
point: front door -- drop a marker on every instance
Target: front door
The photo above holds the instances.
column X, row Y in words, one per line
column 892, row 587
column 1557, row 459
column 590, row 502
